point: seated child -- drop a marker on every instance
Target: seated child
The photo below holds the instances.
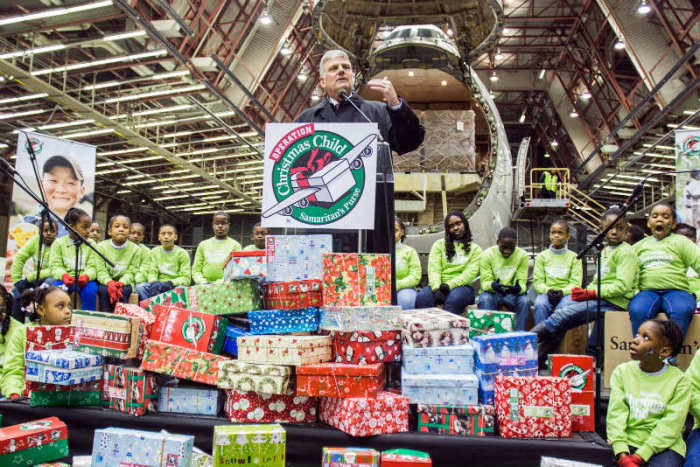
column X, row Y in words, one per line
column 116, row 283
column 258, row 237
column 95, row 233
column 211, row 254
column 408, row 269
column 168, row 265
column 136, row 235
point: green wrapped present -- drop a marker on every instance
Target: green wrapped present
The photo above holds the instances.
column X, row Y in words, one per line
column 248, row 445
column 239, row 296
column 33, row 442
column 490, row 322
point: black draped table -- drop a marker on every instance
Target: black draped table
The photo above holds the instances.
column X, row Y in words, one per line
column 304, row 442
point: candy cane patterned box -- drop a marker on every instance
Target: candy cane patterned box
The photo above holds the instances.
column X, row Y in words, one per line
column 363, row 416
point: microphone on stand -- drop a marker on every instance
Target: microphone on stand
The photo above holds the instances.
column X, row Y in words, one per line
column 8, row 166
column 343, row 95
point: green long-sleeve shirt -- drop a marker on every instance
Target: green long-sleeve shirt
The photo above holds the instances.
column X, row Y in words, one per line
column 558, row 271
column 251, row 247
column 31, row 251
column 4, row 340
column 62, row 259
column 208, row 264
column 173, row 266
column 125, row 261
column 462, row 269
column 663, row 264
column 141, row 274
column 508, row 270
column 647, row 411
column 693, row 375
column 619, row 266
column 12, row 376
column 408, row 268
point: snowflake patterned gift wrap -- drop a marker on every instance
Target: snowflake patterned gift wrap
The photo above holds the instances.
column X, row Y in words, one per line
column 340, row 380
column 490, row 322
column 120, row 446
column 130, row 390
column 285, row 350
column 296, row 257
column 360, row 318
column 188, row 399
column 362, row 347
column 105, row 334
column 146, row 320
column 187, row 328
column 282, row 321
column 249, row 445
column 239, row 296
column 349, row 457
column 62, row 367
column 461, row 420
column 456, row 359
column 256, row 407
column 356, row 279
column 173, row 360
column 533, row 407
column 433, row 327
column 269, row 379
column 363, row 416
column 292, row 295
column 405, row 458
column 440, row 389
column 245, row 265
column 48, row 337
column 33, row 442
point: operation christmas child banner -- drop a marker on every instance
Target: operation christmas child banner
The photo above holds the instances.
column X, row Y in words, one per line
column 320, row 175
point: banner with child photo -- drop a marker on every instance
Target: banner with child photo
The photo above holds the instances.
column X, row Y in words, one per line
column 67, row 173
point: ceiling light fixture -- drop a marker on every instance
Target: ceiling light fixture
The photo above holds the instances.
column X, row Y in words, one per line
column 522, row 117
column 555, row 143
column 542, row 72
column 163, row 92
column 499, row 55
column 643, row 8
column 411, row 74
column 38, row 50
column 619, row 45
column 106, row 61
column 265, row 18
column 443, row 83
column 53, row 12
column 28, row 97
column 494, row 77
column 573, row 113
column 585, row 95
column 124, row 35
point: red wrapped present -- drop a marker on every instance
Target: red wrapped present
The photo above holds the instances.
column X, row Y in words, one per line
column 533, row 407
column 340, row 380
column 582, row 411
column 577, row 368
column 188, row 328
column 48, row 337
column 173, row 360
column 245, row 264
column 33, row 442
column 406, row 458
column 366, row 416
column 254, row 407
column 130, row 390
column 367, row 346
column 146, row 319
column 292, row 295
column 462, row 420
column 354, row 279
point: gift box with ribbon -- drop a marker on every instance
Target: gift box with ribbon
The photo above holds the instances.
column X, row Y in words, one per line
column 269, row 379
column 296, row 257
column 533, row 407
column 349, row 457
column 179, row 296
column 245, row 265
column 72, row 395
column 105, row 334
column 340, row 380
column 362, row 347
column 282, row 321
column 405, row 458
column 239, row 296
column 292, row 295
column 285, row 350
column 130, row 390
column 121, row 446
column 440, row 389
column 256, row 407
column 30, row 443
column 181, row 362
column 146, row 320
column 356, row 279
column 456, row 359
column 249, row 445
column 188, row 328
column 363, row 416
column 490, row 322
column 462, row 420
column 61, row 367
column 433, row 327
column 231, row 342
column 49, row 337
column 188, row 399
column 360, row 318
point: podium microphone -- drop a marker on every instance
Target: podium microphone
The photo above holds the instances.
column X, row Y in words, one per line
column 343, row 94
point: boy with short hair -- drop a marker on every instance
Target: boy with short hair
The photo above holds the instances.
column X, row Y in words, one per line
column 95, row 232
column 116, row 283
column 63, row 184
column 258, row 237
column 136, row 235
column 168, row 265
column 211, row 254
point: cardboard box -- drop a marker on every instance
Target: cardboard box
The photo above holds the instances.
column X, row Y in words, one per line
column 283, row 321
column 285, row 350
column 360, row 318
column 62, row 367
column 146, row 320
column 433, row 327
column 187, row 328
column 173, row 360
column 33, row 442
column 440, row 389
column 120, row 446
column 577, row 368
column 340, row 380
column 188, row 399
column 362, row 347
column 362, row 416
column 248, row 264
column 256, row 407
column 249, row 445
column 105, row 334
column 130, row 390
column 292, row 295
column 296, row 257
column 239, row 296
column 455, row 359
column 350, row 457
column 575, row 341
column 356, row 279
column 464, row 420
column 490, row 322
column 269, row 379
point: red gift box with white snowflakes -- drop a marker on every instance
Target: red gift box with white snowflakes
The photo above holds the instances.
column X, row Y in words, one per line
column 254, row 407
column 340, row 380
column 362, row 347
column 146, row 320
column 533, row 407
column 48, row 337
column 366, row 416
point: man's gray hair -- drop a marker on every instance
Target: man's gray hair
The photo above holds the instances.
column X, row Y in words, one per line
column 329, row 55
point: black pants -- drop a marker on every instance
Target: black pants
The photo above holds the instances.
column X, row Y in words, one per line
column 103, row 297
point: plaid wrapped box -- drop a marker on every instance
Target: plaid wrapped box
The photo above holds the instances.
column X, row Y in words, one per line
column 440, row 389
column 463, row 420
column 362, row 416
column 189, row 399
column 362, row 347
column 349, row 457
column 455, row 359
column 121, row 446
column 62, row 367
column 188, row 328
column 296, row 257
column 282, row 321
column 256, row 407
column 360, row 318
column 55, row 395
column 433, row 327
column 292, row 295
column 179, row 296
column 105, row 334
column 356, row 279
column 173, row 360
column 248, row 445
column 146, row 320
column 130, row 390
column 49, row 337
column 30, row 443
column 533, row 407
column 245, row 265
column 231, row 341
column 490, row 322
column 405, row 458
column 340, row 380
column 285, row 350
column 239, row 296
column 269, row 379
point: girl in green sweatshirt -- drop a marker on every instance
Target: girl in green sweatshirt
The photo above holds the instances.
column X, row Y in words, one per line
column 51, row 307
column 116, row 283
column 649, row 400
column 664, row 259
column 408, row 269
column 168, row 265
column 7, row 325
column 453, row 265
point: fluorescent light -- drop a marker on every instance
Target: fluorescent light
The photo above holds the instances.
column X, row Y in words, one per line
column 542, row 71
column 157, row 76
column 28, row 97
column 23, row 114
column 164, row 198
column 38, row 50
column 55, row 126
column 218, row 210
column 162, row 92
column 522, row 117
column 655, row 154
column 411, row 74
column 265, row 18
column 585, row 95
column 684, row 127
column 619, row 45
column 573, row 113
column 124, row 35
column 121, row 58
column 82, row 134
column 499, row 55
column 643, row 8
column 659, row 146
column 53, row 12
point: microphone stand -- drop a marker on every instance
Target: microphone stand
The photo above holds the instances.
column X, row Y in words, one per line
column 44, row 217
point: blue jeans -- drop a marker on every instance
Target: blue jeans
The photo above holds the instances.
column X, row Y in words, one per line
column 543, row 308
column 667, row 458
column 457, row 300
column 148, row 290
column 692, row 451
column 103, row 294
column 88, row 294
column 406, row 298
column 520, row 304
column 570, row 314
column 679, row 305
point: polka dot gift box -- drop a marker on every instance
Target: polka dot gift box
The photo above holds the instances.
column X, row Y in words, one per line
column 239, row 296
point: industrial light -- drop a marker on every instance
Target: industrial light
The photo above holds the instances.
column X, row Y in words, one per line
column 555, row 143
column 491, row 94
column 121, row 58
column 82, row 134
column 28, row 97
column 643, row 8
column 155, row 77
column 493, row 77
column 265, row 18
column 411, row 74
column 546, row 155
column 573, row 113
column 38, row 50
column 585, row 95
column 443, row 83
column 302, row 76
column 285, row 50
column 522, row 117
column 22, row 114
column 124, row 35
column 619, row 45
column 542, row 72
column 132, row 97
column 499, row 55
column 450, row 32
column 53, row 12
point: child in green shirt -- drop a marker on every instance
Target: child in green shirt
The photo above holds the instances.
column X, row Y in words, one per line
column 117, row 282
column 168, row 265
column 649, row 400
column 208, row 264
column 258, row 237
column 408, row 269
column 7, row 323
column 137, row 233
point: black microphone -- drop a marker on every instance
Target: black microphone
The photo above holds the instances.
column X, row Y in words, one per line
column 8, row 166
column 343, row 95
column 635, row 193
